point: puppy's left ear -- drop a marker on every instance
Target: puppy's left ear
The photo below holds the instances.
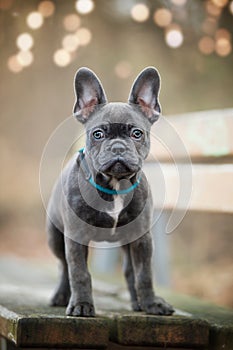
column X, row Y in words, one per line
column 145, row 93
column 89, row 94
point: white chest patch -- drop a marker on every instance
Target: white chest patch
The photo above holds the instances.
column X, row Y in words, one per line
column 118, row 205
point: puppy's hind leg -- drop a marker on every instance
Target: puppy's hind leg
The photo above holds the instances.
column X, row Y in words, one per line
column 56, row 243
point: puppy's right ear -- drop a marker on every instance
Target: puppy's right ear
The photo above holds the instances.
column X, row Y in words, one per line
column 145, row 93
column 89, row 94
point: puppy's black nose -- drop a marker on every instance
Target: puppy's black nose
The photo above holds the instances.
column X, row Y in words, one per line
column 118, row 148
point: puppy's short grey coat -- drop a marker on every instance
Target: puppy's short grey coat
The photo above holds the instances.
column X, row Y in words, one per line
column 102, row 194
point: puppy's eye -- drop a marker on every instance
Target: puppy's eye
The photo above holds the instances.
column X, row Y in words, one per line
column 98, row 134
column 136, row 134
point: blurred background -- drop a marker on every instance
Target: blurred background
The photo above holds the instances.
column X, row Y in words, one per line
column 43, row 43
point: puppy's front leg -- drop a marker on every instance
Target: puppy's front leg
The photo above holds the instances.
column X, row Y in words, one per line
column 81, row 300
column 141, row 253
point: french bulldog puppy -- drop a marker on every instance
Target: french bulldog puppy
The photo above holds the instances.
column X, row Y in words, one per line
column 103, row 195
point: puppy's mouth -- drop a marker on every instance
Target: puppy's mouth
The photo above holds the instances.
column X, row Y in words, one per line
column 119, row 167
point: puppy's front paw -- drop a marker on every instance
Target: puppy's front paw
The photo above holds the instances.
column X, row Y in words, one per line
column 159, row 307
column 81, row 309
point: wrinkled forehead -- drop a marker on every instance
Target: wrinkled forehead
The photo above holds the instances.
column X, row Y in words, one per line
column 118, row 113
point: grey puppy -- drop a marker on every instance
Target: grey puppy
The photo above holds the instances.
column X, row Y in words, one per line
column 103, row 195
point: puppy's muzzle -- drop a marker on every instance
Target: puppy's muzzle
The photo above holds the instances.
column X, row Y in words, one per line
column 118, row 148
column 120, row 161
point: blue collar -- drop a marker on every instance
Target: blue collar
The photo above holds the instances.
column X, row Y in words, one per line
column 103, row 189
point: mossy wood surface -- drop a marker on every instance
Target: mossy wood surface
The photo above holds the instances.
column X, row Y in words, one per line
column 27, row 321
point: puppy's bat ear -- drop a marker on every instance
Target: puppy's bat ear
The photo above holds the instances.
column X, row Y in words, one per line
column 89, row 94
column 145, row 93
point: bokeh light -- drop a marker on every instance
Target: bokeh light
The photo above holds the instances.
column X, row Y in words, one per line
column 223, row 47
column 46, row 8
column 25, row 41
column 14, row 65
column 231, row 7
column 140, row 12
column 206, row 45
column 209, row 25
column 25, row 58
column 70, row 42
column 162, row 17
column 123, row 69
column 223, row 33
column 84, row 6
column 174, row 36
column 35, row 20
column 212, row 9
column 61, row 58
column 84, row 35
column 220, row 3
column 212, row 40
column 71, row 22
column 179, row 2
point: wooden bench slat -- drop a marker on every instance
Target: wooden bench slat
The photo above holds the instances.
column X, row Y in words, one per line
column 172, row 331
column 210, row 186
column 206, row 136
column 29, row 323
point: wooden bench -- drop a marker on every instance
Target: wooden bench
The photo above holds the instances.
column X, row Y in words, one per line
column 203, row 138
column 27, row 322
column 206, row 136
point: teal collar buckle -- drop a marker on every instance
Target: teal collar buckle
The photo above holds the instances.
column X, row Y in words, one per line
column 104, row 189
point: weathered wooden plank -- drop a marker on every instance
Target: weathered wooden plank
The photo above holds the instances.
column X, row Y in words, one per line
column 25, row 329
column 220, row 319
column 172, row 331
column 66, row 332
column 31, row 323
column 221, row 337
column 8, row 323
